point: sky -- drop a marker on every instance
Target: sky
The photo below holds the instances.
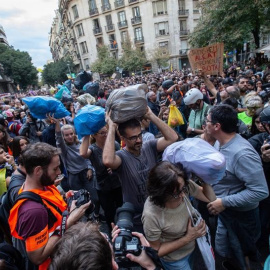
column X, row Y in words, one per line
column 27, row 25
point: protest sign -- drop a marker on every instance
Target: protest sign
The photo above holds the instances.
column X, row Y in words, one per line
column 208, row 59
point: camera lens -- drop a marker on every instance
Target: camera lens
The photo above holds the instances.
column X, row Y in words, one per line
column 125, row 220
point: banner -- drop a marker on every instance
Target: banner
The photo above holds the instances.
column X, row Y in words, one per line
column 208, row 59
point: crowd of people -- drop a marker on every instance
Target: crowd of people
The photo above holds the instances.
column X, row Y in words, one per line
column 123, row 163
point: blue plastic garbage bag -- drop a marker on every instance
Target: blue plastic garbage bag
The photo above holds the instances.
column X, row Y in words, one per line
column 67, row 83
column 89, row 120
column 62, row 90
column 40, row 106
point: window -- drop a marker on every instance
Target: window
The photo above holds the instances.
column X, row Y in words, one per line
column 86, row 63
column 162, row 29
column 183, row 25
column 109, row 19
column 164, row 45
column 182, row 5
column 138, row 33
column 80, row 31
column 196, row 6
column 136, row 12
column 75, row 12
column 124, row 36
column 92, row 4
column 100, row 41
column 121, row 16
column 159, row 7
column 84, row 48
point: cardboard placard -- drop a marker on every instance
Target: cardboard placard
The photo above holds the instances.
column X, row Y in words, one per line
column 208, row 59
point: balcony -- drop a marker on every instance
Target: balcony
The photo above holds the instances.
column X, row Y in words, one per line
column 113, row 47
column 136, row 20
column 183, row 52
column 106, row 8
column 161, row 33
column 122, row 24
column 196, row 11
column 184, row 33
column 183, row 13
column 138, row 40
column 109, row 28
column 93, row 12
column 97, row 31
column 119, row 4
column 133, row 1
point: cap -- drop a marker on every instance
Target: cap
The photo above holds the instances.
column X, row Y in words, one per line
column 167, row 84
column 265, row 115
column 192, row 96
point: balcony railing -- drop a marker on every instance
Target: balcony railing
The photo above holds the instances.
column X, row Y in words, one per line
column 97, row 30
column 93, row 11
column 136, row 20
column 109, row 27
column 196, row 11
column 132, row 1
column 122, row 24
column 113, row 46
column 106, row 8
column 183, row 12
column 119, row 3
column 184, row 32
column 183, row 52
column 139, row 39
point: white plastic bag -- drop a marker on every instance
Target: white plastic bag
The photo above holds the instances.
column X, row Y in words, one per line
column 198, row 157
column 127, row 103
column 204, row 242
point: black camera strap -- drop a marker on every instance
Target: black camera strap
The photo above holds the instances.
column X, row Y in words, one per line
column 153, row 254
column 64, row 222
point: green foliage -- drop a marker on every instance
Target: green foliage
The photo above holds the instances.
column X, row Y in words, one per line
column 232, row 22
column 18, row 66
column 56, row 71
column 133, row 58
column 159, row 55
column 105, row 63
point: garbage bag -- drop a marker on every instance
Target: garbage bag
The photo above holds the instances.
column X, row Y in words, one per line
column 91, row 88
column 67, row 83
column 82, row 78
column 62, row 89
column 127, row 103
column 86, row 99
column 198, row 157
column 175, row 117
column 89, row 120
column 39, row 106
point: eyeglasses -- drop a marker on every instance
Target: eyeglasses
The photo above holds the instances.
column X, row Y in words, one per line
column 208, row 121
column 177, row 194
column 102, row 133
column 253, row 108
column 135, row 138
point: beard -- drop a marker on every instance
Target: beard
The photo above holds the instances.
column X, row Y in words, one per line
column 46, row 180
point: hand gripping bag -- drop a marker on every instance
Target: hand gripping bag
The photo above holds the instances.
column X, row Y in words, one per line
column 127, row 103
column 40, row 106
column 198, row 157
column 89, row 120
column 175, row 117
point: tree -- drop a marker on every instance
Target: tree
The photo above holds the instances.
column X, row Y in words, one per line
column 132, row 59
column 231, row 22
column 18, row 66
column 105, row 63
column 159, row 55
column 56, row 71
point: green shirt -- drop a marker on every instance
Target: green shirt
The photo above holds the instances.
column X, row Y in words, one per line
column 196, row 117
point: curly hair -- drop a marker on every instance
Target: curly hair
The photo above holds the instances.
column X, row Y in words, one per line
column 163, row 181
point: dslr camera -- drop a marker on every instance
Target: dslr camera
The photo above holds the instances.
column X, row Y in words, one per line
column 82, row 196
column 125, row 242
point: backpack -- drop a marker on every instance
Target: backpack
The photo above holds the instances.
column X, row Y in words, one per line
column 5, row 207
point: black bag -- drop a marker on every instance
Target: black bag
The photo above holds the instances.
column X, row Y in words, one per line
column 6, row 205
column 81, row 79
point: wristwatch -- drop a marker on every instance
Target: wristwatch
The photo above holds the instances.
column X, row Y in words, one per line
column 193, row 129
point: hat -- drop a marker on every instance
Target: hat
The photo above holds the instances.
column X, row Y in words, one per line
column 265, row 115
column 167, row 84
column 8, row 114
column 192, row 96
column 228, row 81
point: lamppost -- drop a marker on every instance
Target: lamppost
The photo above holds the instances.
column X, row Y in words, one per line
column 68, row 64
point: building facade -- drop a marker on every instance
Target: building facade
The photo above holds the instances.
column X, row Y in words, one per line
column 81, row 26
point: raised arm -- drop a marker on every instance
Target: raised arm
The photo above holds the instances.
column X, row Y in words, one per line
column 110, row 159
column 209, row 85
column 84, row 148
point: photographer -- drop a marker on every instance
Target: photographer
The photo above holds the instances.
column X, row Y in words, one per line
column 36, row 224
column 85, row 247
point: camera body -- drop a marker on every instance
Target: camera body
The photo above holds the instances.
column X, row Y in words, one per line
column 125, row 242
column 82, row 196
column 265, row 94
